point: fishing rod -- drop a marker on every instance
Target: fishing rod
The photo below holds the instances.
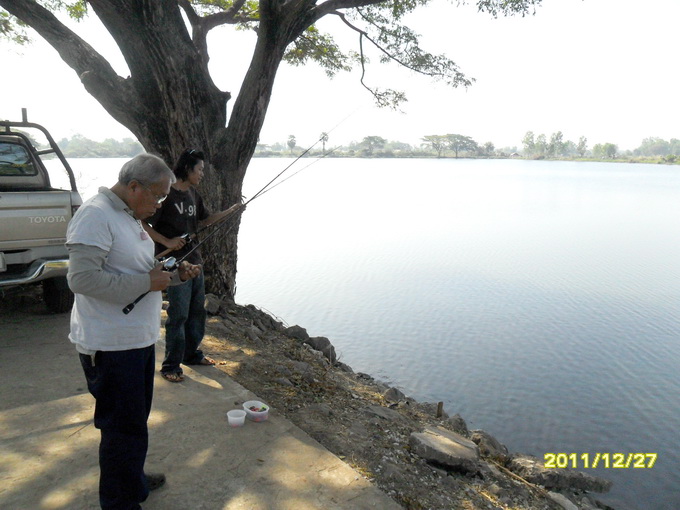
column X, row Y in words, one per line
column 189, row 238
column 171, row 263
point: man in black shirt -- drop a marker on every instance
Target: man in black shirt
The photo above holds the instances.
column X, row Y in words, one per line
column 183, row 212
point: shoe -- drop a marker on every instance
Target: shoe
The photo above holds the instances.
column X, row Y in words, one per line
column 155, row 480
column 172, row 376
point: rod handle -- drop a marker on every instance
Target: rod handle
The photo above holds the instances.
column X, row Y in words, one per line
column 129, row 307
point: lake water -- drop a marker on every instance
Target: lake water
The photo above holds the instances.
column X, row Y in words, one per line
column 540, row 300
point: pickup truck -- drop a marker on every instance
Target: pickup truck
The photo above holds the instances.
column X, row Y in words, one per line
column 34, row 213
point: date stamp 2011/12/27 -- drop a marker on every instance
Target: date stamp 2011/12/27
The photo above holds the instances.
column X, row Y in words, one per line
column 603, row 460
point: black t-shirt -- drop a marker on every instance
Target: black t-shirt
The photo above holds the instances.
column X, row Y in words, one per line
column 178, row 215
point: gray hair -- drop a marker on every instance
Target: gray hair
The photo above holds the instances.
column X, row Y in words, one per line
column 146, row 169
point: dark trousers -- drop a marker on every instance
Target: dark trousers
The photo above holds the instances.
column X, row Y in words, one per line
column 185, row 325
column 122, row 385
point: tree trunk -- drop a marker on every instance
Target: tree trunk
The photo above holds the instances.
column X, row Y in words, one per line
column 170, row 102
column 175, row 103
column 234, row 148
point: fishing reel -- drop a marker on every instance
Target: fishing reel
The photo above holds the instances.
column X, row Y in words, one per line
column 169, row 264
column 188, row 239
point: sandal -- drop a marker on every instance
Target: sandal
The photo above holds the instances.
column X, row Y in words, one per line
column 172, row 376
column 206, row 361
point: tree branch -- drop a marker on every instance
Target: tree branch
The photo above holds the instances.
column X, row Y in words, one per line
column 200, row 26
column 389, row 98
column 229, row 17
column 94, row 71
column 199, row 34
column 194, row 18
column 331, row 6
column 363, row 33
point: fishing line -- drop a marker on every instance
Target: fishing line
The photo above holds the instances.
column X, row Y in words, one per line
column 282, row 172
column 264, row 189
column 298, row 171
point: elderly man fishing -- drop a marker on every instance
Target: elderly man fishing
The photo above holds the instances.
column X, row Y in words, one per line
column 111, row 263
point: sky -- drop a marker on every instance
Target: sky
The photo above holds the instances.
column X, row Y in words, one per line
column 603, row 69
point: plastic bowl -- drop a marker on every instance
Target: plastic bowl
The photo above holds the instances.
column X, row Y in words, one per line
column 256, row 415
column 236, row 417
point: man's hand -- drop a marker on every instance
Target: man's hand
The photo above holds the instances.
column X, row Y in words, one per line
column 160, row 279
column 188, row 271
column 175, row 243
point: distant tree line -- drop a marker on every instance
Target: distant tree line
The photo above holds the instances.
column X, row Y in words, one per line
column 370, row 146
column 440, row 146
column 457, row 145
column 80, row 147
column 379, row 147
column 557, row 147
column 658, row 147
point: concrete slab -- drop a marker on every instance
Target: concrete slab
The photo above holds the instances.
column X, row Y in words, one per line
column 48, row 444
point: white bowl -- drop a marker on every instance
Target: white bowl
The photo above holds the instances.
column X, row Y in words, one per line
column 256, row 415
column 236, row 417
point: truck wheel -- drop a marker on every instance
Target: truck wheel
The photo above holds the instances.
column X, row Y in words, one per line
column 58, row 297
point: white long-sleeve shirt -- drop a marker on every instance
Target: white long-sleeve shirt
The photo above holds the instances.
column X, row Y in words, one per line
column 110, row 258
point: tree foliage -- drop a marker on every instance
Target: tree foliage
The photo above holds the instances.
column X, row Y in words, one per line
column 654, row 146
column 438, row 143
column 371, row 143
column 461, row 143
column 582, row 146
column 529, row 143
column 555, row 147
column 457, row 144
column 605, row 150
column 488, row 149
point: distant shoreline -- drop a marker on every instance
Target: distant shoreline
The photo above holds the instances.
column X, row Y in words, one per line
column 627, row 159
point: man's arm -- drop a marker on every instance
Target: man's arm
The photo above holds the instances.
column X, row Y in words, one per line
column 173, row 244
column 86, row 276
column 213, row 218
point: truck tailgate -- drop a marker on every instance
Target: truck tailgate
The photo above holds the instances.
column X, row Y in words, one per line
column 33, row 218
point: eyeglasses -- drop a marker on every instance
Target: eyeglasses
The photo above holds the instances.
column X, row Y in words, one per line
column 159, row 198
